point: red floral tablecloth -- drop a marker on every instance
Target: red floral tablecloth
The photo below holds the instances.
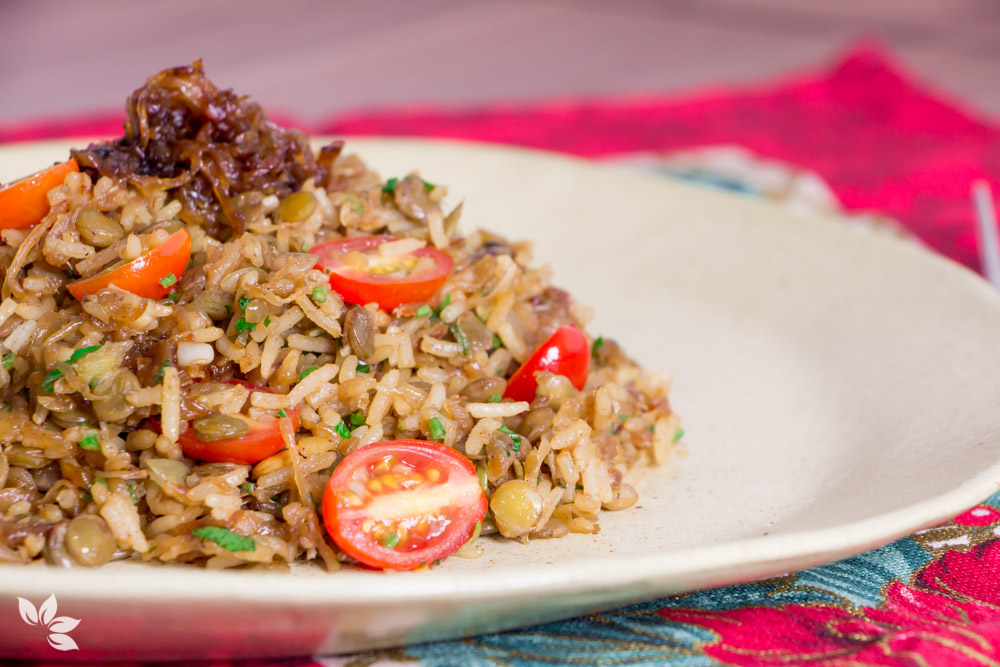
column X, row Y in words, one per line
column 861, row 138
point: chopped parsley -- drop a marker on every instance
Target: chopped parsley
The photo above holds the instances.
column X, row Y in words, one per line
column 437, row 430
column 244, row 301
column 678, row 434
column 364, row 368
column 90, row 442
column 598, row 344
column 51, row 378
column 248, row 487
column 481, row 474
column 101, row 480
column 8, row 361
column 460, row 338
column 494, row 398
column 243, row 325
column 225, row 538
column 515, row 438
column 168, row 280
column 131, row 492
column 305, row 373
column 173, row 298
column 389, row 540
column 424, row 311
column 342, row 430
column 497, row 343
column 623, row 417
column 651, row 428
column 427, row 186
column 390, row 186
column 444, row 304
column 82, row 352
column 282, row 413
column 305, row 246
column 267, row 321
column 319, row 294
column 356, row 419
column 158, row 377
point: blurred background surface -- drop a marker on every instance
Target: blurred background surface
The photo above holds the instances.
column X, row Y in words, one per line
column 311, row 58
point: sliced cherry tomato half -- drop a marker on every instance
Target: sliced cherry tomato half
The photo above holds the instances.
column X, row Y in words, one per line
column 261, row 441
column 25, row 202
column 147, row 275
column 402, row 504
column 566, row 352
column 388, row 280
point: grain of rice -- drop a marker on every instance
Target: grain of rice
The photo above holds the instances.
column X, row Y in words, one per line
column 496, row 410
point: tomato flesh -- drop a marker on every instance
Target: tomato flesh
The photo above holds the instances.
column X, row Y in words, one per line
column 397, row 505
column 25, row 202
column 143, row 275
column 261, row 441
column 389, row 282
column 566, row 353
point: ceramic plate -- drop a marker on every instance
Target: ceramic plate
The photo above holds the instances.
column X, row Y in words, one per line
column 838, row 388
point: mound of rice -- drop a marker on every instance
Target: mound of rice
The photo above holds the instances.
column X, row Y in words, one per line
column 91, row 469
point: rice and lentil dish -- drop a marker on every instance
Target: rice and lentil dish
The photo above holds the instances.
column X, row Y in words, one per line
column 222, row 348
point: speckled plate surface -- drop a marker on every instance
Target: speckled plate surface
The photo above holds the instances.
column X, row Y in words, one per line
column 838, row 389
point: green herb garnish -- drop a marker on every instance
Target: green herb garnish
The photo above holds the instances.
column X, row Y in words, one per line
column 168, row 280
column 342, row 430
column 319, row 294
column 8, row 361
column 427, row 186
column 101, row 480
column 82, row 352
column 598, row 344
column 173, row 298
column 494, row 398
column 444, row 304
column 390, row 186
column 244, row 301
column 651, row 428
column 515, row 438
column 225, row 538
column 364, row 368
column 267, row 321
column 497, row 343
column 282, row 413
column 247, row 487
column 356, row 419
column 243, row 325
column 51, row 378
column 678, row 434
column 623, row 417
column 437, row 430
column 158, row 377
column 131, row 492
column 424, row 311
column 389, row 540
column 481, row 474
column 460, row 338
column 90, row 442
column 305, row 246
column 305, row 373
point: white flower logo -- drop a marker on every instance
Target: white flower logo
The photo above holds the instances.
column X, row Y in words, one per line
column 57, row 626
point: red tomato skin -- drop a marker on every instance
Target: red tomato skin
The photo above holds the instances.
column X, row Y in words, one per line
column 566, row 353
column 371, row 553
column 142, row 275
column 263, row 440
column 388, row 292
column 25, row 202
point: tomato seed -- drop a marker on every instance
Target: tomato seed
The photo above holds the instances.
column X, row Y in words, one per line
column 433, row 474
